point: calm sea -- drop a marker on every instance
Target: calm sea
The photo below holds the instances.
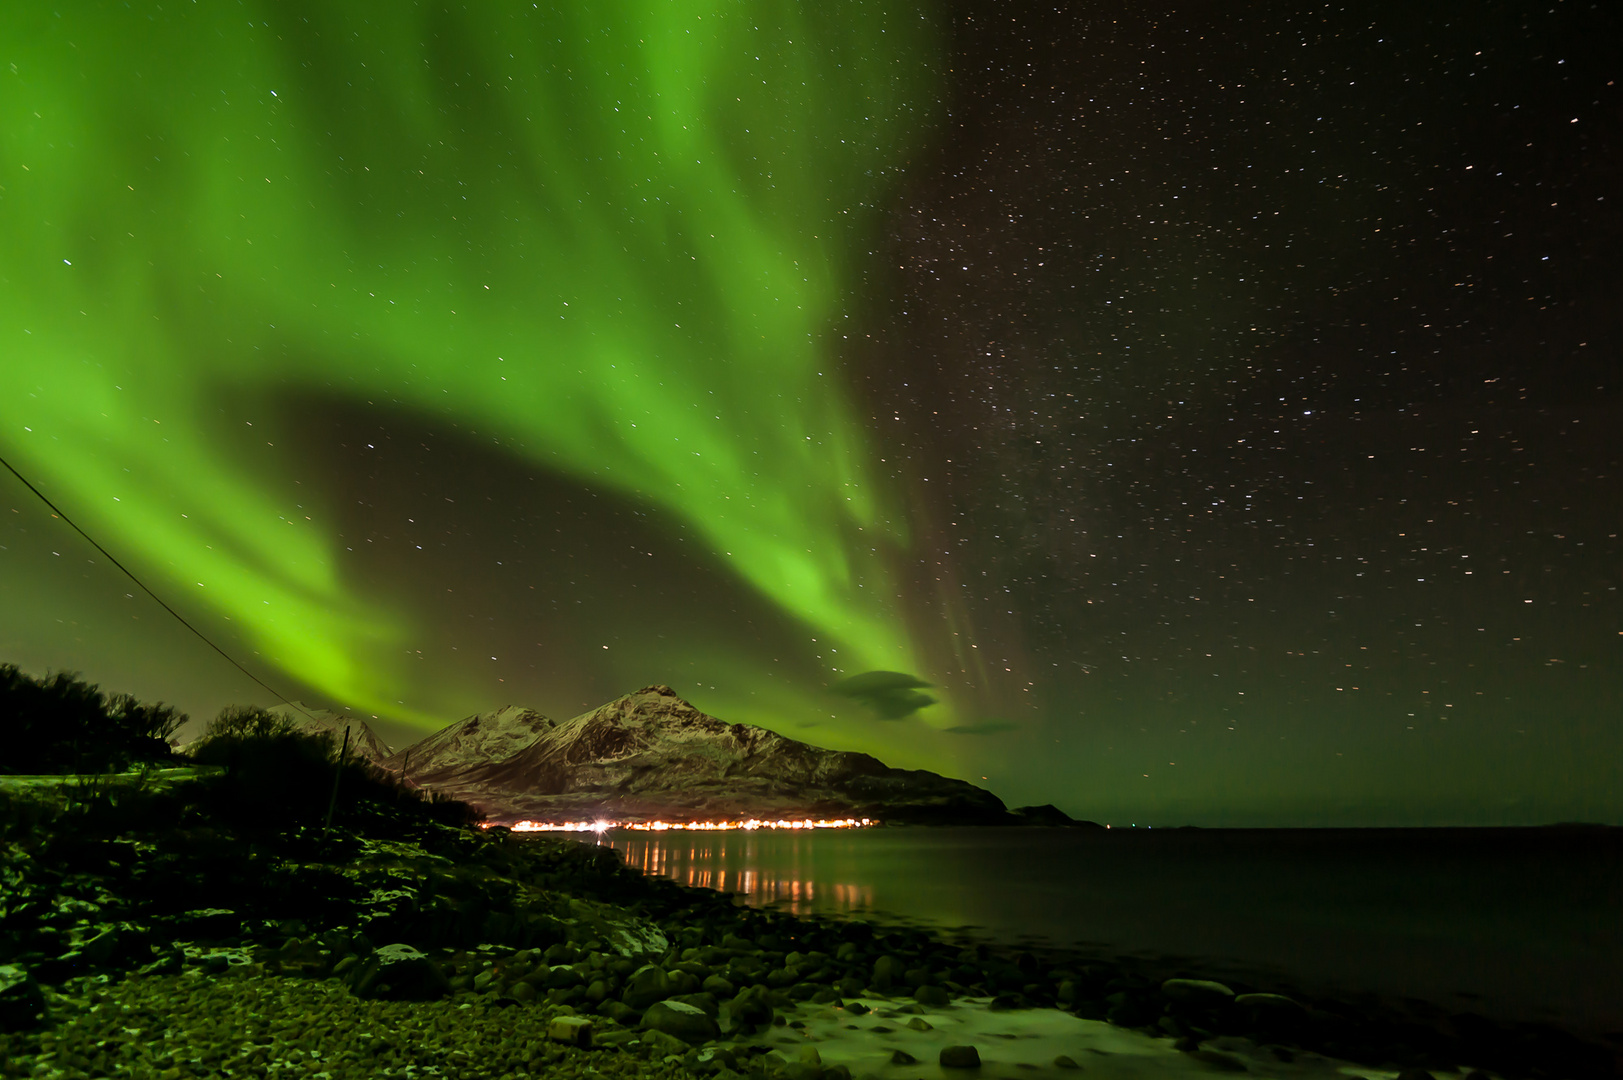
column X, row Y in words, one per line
column 1512, row 923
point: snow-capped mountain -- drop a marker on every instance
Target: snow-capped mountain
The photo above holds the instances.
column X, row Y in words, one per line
column 363, row 741
column 652, row 755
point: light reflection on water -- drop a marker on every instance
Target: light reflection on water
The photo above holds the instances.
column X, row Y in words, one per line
column 797, row 882
column 1509, row 922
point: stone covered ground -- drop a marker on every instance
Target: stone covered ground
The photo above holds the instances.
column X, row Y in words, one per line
column 157, row 930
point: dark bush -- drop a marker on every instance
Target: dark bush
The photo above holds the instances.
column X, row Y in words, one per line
column 278, row 774
column 62, row 724
column 275, row 773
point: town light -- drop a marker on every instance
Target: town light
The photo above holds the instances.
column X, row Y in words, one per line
column 601, row 826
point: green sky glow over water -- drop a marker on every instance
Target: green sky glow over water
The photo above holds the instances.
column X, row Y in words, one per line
column 613, row 238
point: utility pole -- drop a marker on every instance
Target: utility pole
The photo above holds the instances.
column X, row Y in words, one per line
column 338, row 771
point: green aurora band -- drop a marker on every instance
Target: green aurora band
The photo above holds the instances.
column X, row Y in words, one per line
column 616, row 236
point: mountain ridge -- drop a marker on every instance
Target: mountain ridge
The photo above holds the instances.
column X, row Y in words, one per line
column 650, row 754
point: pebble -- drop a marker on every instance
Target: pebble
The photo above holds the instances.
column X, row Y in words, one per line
column 267, row 1025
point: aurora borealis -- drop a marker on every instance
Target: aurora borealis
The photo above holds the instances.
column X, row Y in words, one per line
column 1190, row 400
column 571, row 230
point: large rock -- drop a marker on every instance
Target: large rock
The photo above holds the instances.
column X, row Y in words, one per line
column 22, row 1003
column 687, row 1022
column 647, row 985
column 1200, row 993
column 574, row 1030
column 749, row 1009
column 1272, row 1014
column 887, row 970
column 399, row 973
column 206, row 924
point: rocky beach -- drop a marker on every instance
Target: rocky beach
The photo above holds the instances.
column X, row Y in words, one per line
column 150, row 930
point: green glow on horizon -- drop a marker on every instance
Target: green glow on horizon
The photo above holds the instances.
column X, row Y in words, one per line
column 614, row 237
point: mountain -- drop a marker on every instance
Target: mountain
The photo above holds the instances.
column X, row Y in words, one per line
column 363, row 741
column 650, row 755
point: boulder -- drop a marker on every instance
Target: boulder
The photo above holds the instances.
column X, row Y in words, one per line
column 646, row 985
column 960, row 1057
column 1270, row 1005
column 103, row 946
column 1199, row 992
column 217, row 961
column 713, row 1059
column 934, row 996
column 662, row 1043
column 563, row 978
column 399, row 973
column 621, row 1013
column 749, row 1009
column 686, row 1022
column 301, row 958
column 705, row 1003
column 207, row 924
column 571, row 1030
column 22, row 1003
column 1218, row 1060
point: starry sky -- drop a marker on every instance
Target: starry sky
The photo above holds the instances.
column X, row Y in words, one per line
column 1210, row 412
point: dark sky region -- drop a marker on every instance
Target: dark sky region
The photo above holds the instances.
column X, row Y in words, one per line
column 1217, row 405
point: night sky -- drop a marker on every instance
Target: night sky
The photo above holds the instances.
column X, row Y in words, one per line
column 1216, row 405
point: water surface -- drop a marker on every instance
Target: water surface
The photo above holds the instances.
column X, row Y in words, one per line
column 1513, row 923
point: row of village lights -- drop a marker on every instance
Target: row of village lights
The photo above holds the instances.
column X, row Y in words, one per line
column 686, row 826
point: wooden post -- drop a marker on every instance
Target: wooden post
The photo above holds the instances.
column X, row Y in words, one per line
column 338, row 771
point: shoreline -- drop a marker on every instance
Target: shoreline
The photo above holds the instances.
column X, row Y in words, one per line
column 159, row 896
column 250, row 1023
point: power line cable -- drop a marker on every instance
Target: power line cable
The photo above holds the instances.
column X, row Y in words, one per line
column 283, row 698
